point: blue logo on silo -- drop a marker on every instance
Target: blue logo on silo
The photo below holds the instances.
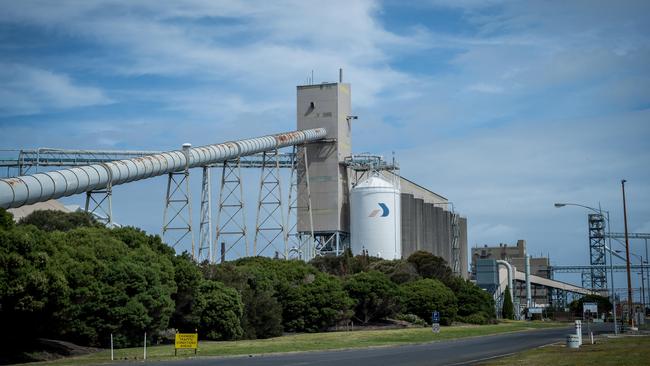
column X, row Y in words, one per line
column 384, row 211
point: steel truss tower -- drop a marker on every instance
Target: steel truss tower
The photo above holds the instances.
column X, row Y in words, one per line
column 270, row 223
column 177, row 216
column 597, row 251
column 231, row 218
column 101, row 208
column 301, row 245
column 205, row 225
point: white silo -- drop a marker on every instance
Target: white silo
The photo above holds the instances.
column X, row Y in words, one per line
column 375, row 216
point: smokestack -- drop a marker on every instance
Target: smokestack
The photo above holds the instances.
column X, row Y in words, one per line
column 340, row 75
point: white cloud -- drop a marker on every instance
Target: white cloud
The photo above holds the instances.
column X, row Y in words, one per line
column 27, row 90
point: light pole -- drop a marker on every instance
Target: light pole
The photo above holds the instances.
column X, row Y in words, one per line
column 642, row 262
column 609, row 239
column 627, row 256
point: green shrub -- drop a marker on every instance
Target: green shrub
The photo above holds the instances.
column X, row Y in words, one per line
column 424, row 296
column 375, row 296
column 220, row 310
column 477, row 318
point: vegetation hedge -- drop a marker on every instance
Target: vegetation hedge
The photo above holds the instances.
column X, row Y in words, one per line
column 65, row 276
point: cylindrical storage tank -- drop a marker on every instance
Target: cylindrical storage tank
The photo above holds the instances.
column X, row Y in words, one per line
column 375, row 219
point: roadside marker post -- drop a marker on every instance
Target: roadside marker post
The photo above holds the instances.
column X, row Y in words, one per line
column 435, row 322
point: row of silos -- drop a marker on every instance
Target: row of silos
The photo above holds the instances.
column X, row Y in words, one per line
column 428, row 227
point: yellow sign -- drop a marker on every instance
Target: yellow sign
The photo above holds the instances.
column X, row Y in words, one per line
column 187, row 340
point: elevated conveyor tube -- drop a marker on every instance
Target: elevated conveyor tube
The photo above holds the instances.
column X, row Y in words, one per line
column 40, row 187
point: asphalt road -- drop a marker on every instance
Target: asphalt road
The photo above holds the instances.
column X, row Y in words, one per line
column 454, row 352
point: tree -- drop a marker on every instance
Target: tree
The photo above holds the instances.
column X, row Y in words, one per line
column 50, row 220
column 424, row 296
column 475, row 305
column 33, row 286
column 262, row 316
column 398, row 270
column 314, row 305
column 508, row 310
column 6, row 220
column 376, row 297
column 220, row 310
column 188, row 278
column 431, row 266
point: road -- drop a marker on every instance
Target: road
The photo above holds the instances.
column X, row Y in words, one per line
column 454, row 352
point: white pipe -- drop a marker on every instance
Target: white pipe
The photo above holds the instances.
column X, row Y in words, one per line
column 41, row 187
column 511, row 276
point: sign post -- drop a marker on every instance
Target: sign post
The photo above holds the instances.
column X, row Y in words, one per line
column 186, row 341
column 435, row 322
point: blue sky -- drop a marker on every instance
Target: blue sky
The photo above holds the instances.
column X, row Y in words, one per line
column 503, row 106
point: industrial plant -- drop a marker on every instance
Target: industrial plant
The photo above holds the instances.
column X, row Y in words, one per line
column 337, row 199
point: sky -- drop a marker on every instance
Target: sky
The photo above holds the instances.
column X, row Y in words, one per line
column 504, row 107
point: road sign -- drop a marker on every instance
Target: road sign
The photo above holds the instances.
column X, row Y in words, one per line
column 435, row 317
column 436, row 327
column 186, row 340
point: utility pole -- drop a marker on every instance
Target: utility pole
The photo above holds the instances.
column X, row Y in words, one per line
column 627, row 259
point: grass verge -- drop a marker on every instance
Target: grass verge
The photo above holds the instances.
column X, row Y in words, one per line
column 621, row 351
column 308, row 342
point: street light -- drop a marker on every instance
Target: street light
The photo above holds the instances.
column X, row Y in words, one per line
column 611, row 267
column 627, row 256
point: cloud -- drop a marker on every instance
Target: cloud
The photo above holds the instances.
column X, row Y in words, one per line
column 512, row 107
column 29, row 90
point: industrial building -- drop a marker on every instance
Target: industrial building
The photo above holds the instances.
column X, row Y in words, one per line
column 516, row 256
column 361, row 201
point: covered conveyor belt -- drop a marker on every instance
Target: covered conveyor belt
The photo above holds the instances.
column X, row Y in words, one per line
column 40, row 187
column 541, row 281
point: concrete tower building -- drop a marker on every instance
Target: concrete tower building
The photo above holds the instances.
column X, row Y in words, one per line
column 326, row 105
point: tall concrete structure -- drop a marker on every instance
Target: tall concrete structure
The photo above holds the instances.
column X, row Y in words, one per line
column 427, row 224
column 326, row 105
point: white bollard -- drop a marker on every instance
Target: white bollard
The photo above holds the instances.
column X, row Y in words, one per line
column 579, row 331
column 572, row 341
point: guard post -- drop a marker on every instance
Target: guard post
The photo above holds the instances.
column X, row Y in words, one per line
column 186, row 341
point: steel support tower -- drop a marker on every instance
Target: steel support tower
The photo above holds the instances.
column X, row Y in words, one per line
column 231, row 217
column 205, row 225
column 177, row 216
column 270, row 223
column 597, row 251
